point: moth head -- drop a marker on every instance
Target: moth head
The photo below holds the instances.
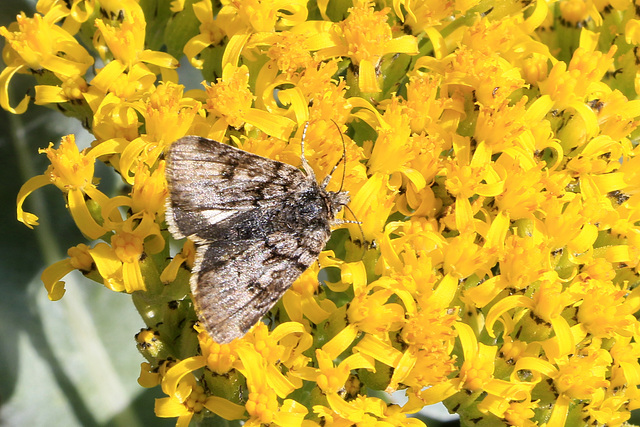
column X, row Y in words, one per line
column 336, row 201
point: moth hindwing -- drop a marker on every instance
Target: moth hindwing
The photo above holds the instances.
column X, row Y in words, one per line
column 257, row 224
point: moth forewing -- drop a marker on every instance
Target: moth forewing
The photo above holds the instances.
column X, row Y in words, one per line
column 257, row 224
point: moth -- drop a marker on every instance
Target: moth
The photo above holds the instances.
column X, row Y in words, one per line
column 257, row 225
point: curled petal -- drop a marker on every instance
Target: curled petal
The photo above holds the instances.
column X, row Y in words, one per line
column 341, row 341
column 27, row 188
column 51, row 278
column 225, row 408
column 271, row 124
column 147, row 378
column 193, row 48
column 81, row 215
column 5, row 77
column 49, row 95
column 161, row 59
column 174, row 375
column 169, row 408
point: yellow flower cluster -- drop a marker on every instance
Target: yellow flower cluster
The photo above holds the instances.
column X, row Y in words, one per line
column 491, row 161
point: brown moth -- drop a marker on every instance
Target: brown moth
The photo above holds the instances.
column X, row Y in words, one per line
column 257, row 225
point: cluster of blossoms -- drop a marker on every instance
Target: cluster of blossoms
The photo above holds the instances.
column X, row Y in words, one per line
column 491, row 162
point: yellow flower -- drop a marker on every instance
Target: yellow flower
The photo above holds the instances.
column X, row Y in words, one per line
column 187, row 397
column 289, row 51
column 126, row 43
column 259, row 16
column 423, row 14
column 477, row 371
column 364, row 36
column 71, row 171
column 575, row 11
column 424, row 106
column 210, row 33
column 366, row 33
column 265, row 386
column 220, row 358
column 616, row 114
column 578, row 377
column 535, row 69
column 168, row 113
column 604, row 311
column 149, row 190
column 581, row 376
column 373, row 202
column 186, row 256
column 370, row 312
column 127, row 76
column 120, row 264
column 568, row 86
column 230, row 99
column 37, row 44
column 72, row 90
column 79, row 259
column 168, row 116
column 331, row 379
column 300, row 299
column 150, row 376
column 75, row 13
column 520, row 413
column 365, row 411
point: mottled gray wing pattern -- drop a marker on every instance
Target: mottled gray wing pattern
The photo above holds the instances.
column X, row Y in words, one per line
column 236, row 283
column 209, row 182
column 257, row 224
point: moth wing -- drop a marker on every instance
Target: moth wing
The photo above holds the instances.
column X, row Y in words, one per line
column 209, row 182
column 235, row 283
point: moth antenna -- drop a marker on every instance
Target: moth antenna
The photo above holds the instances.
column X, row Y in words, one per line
column 327, row 178
column 344, row 164
column 346, row 221
column 305, row 165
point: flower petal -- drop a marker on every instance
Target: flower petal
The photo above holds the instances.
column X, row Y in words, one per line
column 27, row 188
column 225, row 408
column 51, row 278
column 81, row 215
column 5, row 77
